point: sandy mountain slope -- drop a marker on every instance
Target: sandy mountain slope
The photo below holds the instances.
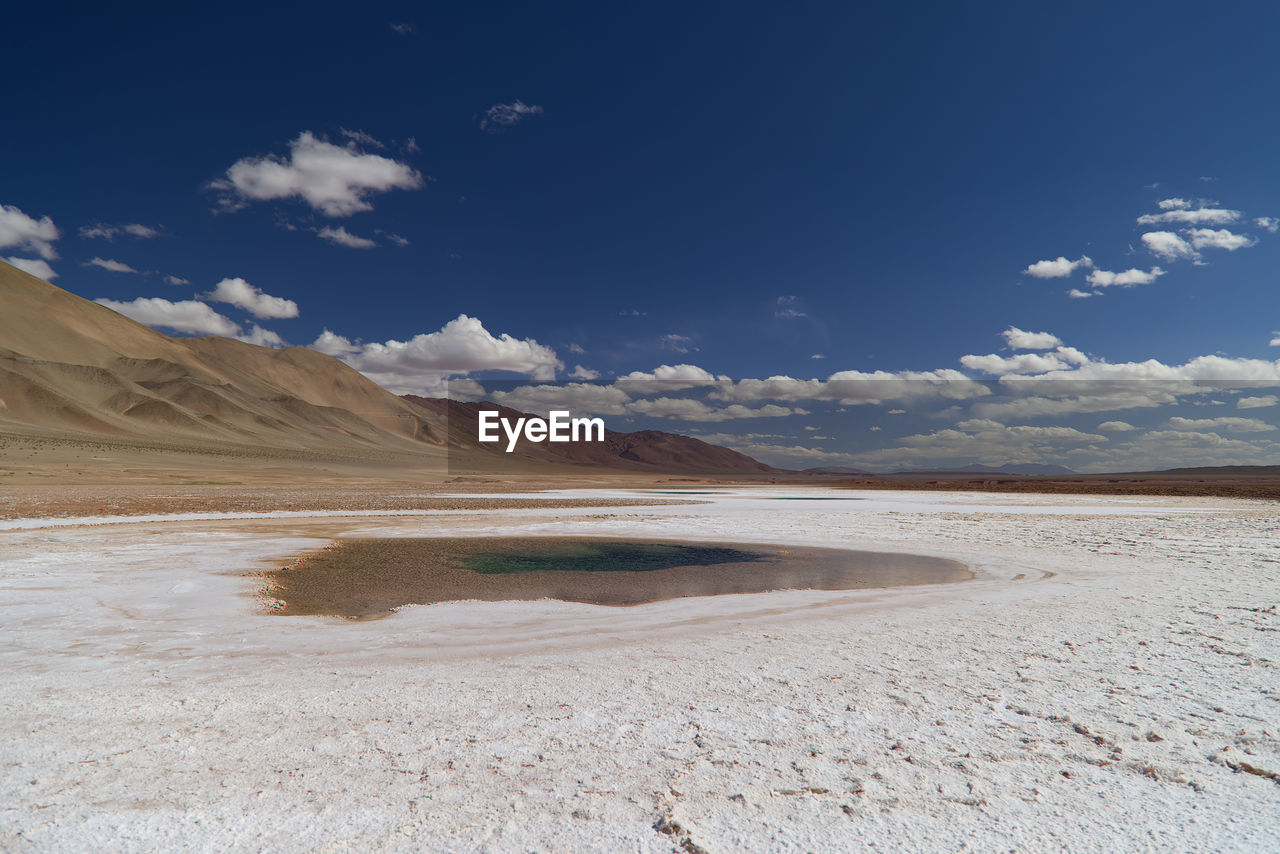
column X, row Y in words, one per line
column 70, row 366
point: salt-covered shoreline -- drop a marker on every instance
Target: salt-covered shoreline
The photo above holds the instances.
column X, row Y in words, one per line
column 1108, row 681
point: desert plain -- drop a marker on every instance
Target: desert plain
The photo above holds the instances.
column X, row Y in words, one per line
column 1106, row 680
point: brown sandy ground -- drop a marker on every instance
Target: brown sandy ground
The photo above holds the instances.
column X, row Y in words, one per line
column 186, row 491
column 71, row 502
column 47, row 475
column 42, row 475
column 1266, row 488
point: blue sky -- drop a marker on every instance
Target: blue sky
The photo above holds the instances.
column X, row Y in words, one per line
column 737, row 187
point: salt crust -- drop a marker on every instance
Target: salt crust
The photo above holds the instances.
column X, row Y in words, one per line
column 1108, row 682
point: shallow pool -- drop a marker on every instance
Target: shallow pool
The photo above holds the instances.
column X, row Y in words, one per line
column 370, row 578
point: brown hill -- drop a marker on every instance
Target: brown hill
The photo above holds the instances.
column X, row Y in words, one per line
column 71, row 366
column 643, row 450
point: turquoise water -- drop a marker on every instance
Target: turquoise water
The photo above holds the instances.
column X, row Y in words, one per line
column 606, row 557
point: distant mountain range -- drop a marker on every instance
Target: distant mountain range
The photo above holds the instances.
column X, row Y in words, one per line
column 644, row 450
column 1020, row 469
column 1023, row 469
column 70, row 367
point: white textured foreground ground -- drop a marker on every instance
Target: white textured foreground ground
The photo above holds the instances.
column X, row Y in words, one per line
column 1109, row 682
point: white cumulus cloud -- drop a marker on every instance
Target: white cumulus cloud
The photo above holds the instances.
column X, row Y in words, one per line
column 263, row 337
column 1231, row 424
column 1168, row 245
column 667, row 378
column 1270, row 223
column 1221, row 238
column 1058, row 268
column 1197, row 216
column 241, row 294
column 1258, row 402
column 1124, row 279
column 336, row 180
column 37, row 267
column 984, row 441
column 184, row 316
column 333, row 344
column 1100, row 386
column 854, row 387
column 1019, row 339
column 460, row 347
column 24, row 233
column 1025, row 363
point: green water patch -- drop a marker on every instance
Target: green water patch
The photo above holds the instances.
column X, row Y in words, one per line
column 362, row 579
column 605, row 556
